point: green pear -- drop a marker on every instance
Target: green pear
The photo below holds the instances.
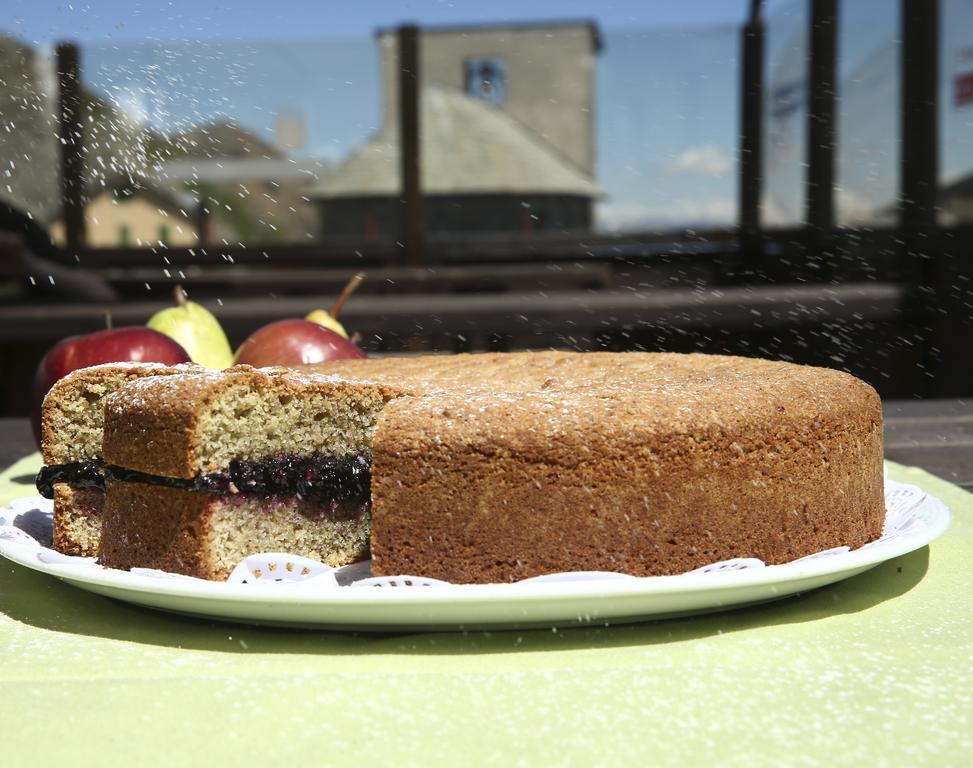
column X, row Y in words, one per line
column 323, row 317
column 195, row 328
column 330, row 319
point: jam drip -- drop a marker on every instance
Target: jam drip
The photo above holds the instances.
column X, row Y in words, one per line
column 323, row 477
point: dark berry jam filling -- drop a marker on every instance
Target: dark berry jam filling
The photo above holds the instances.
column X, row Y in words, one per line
column 88, row 474
column 334, row 478
column 337, row 478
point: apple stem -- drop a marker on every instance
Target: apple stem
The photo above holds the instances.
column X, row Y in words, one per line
column 180, row 295
column 108, row 322
column 349, row 289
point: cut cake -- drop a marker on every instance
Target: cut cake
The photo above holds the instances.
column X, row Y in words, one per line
column 492, row 468
column 71, row 435
column 205, row 470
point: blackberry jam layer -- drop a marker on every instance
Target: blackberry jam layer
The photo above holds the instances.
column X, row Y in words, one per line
column 333, row 478
column 337, row 478
column 83, row 475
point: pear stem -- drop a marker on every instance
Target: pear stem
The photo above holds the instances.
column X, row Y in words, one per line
column 180, row 295
column 349, row 289
column 108, row 323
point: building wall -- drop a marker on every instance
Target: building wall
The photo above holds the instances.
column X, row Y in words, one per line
column 549, row 80
column 956, row 210
column 376, row 219
column 105, row 218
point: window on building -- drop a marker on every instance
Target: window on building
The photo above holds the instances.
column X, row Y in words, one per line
column 163, row 233
column 486, row 79
column 124, row 235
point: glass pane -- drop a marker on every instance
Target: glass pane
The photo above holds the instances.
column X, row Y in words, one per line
column 226, row 141
column 956, row 112
column 867, row 163
column 536, row 127
column 667, row 128
column 785, row 115
column 29, row 161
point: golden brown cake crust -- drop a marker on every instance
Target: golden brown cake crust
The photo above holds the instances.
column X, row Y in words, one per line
column 680, row 461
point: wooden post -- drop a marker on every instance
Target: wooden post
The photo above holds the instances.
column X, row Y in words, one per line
column 923, row 259
column 822, row 87
column 751, row 119
column 71, row 134
column 410, row 220
column 919, row 115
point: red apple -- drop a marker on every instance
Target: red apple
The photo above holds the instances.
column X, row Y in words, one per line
column 129, row 344
column 295, row 342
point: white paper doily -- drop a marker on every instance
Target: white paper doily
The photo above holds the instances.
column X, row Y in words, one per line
column 282, row 588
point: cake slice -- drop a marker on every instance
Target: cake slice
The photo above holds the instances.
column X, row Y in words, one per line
column 205, row 470
column 71, row 433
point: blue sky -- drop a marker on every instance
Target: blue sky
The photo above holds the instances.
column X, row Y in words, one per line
column 121, row 20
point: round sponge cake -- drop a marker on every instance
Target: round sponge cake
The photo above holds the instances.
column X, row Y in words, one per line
column 494, row 468
column 646, row 464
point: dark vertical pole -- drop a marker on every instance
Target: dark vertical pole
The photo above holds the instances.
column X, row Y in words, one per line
column 822, row 86
column 751, row 125
column 70, row 128
column 920, row 115
column 411, row 223
column 922, row 262
column 204, row 224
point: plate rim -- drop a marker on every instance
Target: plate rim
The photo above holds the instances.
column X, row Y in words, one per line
column 852, row 562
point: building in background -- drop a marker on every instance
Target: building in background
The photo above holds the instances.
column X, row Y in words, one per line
column 255, row 192
column 956, row 201
column 506, row 126
column 132, row 212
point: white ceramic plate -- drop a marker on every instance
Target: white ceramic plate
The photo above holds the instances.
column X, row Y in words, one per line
column 310, row 594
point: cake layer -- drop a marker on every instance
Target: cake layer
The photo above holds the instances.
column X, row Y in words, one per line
column 206, row 535
column 73, row 415
column 186, row 426
column 77, row 520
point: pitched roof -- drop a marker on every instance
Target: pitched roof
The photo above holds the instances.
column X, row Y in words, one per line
column 230, row 169
column 467, row 147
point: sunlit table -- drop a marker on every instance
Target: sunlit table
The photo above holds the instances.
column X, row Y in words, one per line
column 874, row 670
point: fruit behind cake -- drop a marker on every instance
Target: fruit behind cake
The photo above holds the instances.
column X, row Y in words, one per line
column 486, row 468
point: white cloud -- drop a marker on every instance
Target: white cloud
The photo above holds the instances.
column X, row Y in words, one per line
column 707, row 159
column 629, row 215
column 773, row 215
column 854, row 208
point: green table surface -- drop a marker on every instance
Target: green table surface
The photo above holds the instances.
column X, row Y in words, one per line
column 875, row 670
